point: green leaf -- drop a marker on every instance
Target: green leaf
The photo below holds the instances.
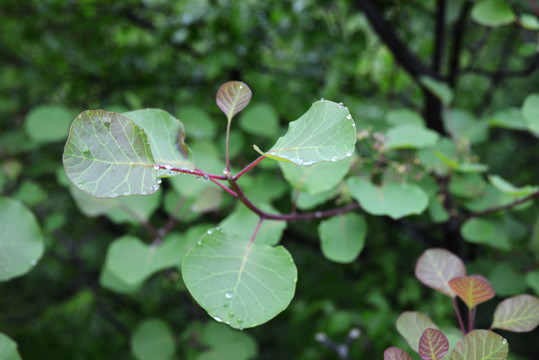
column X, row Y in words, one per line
column 242, row 222
column 532, row 280
column 226, row 343
column 493, row 13
column 197, row 123
column 433, row 345
column 505, row 280
column 405, row 117
column 395, row 200
column 440, row 89
column 486, row 231
column 472, row 289
column 315, row 179
column 463, row 125
column 153, row 340
column 435, row 267
column 394, row 353
column 529, row 22
column 30, row 193
column 430, row 157
column 411, row 325
column 233, row 97
column 8, row 348
column 510, row 118
column 261, row 120
column 306, row 201
column 342, row 237
column 410, row 137
column 480, row 345
column 128, row 209
column 507, row 188
column 166, row 136
column 21, row 243
column 518, row 314
column 239, row 283
column 48, row 123
column 132, row 261
column 108, row 155
column 530, row 113
column 326, row 132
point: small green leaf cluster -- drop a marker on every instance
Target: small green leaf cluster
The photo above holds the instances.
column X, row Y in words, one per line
column 445, row 272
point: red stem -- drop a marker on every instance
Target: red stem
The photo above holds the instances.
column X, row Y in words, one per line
column 459, row 317
column 248, row 167
column 471, row 318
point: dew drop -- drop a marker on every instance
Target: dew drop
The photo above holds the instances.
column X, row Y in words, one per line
column 199, row 242
column 113, row 195
column 127, row 193
column 155, row 187
column 301, row 161
column 241, row 86
column 228, row 295
column 334, row 158
column 318, row 214
column 321, row 99
column 159, row 181
column 349, row 117
column 156, row 167
column 218, row 319
column 143, row 193
column 170, row 173
column 168, row 167
column 33, row 262
column 504, row 341
column 353, row 124
column 205, row 178
column 225, row 171
column 341, row 104
column 348, row 154
column 231, row 314
column 320, row 337
column 210, row 231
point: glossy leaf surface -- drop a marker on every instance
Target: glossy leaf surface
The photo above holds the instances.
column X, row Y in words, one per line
column 108, row 155
column 317, row 178
column 518, row 314
column 326, row 132
column 411, row 325
column 436, row 267
column 433, row 345
column 232, row 97
column 21, row 240
column 508, row 188
column 480, row 345
column 394, row 353
column 493, row 13
column 395, row 200
column 166, row 136
column 153, row 340
column 342, row 237
column 472, row 289
column 237, row 283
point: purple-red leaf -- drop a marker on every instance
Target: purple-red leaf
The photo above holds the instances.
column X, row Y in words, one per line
column 480, row 345
column 518, row 314
column 394, row 353
column 433, row 345
column 411, row 325
column 233, row 97
column 436, row 267
column 472, row 289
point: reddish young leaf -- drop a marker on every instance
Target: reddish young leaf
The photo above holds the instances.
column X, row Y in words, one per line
column 436, row 267
column 480, row 345
column 411, row 325
column 433, row 345
column 472, row 289
column 394, row 353
column 518, row 314
column 233, row 97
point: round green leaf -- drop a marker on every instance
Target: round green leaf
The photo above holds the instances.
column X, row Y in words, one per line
column 166, row 136
column 439, row 88
column 48, row 123
column 529, row 22
column 505, row 280
column 21, row 243
column 493, row 13
column 508, row 188
column 518, row 314
column 239, row 283
column 486, row 231
column 316, row 178
column 530, row 112
column 261, row 120
column 395, row 200
column 326, row 132
column 8, row 348
column 226, row 343
column 108, row 155
column 343, row 237
column 480, row 345
column 532, row 280
column 510, row 118
column 405, row 117
column 410, row 137
column 198, row 124
column 153, row 340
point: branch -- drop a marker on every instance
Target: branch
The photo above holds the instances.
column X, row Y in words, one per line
column 439, row 43
column 504, row 207
column 458, row 36
column 532, row 67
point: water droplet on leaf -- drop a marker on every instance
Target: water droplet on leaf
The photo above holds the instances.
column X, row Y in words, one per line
column 210, row 231
column 348, row 154
column 205, row 178
column 127, row 193
column 218, row 319
column 33, row 262
column 504, row 341
column 341, row 104
column 349, row 117
column 228, row 295
column 321, row 99
column 155, row 187
column 168, row 167
column 156, row 167
column 159, row 181
column 113, row 195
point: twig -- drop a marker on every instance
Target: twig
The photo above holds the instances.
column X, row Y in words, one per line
column 342, row 350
